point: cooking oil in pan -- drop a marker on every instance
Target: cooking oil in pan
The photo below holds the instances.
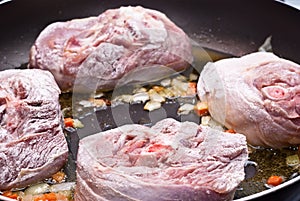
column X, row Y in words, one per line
column 270, row 162
column 202, row 55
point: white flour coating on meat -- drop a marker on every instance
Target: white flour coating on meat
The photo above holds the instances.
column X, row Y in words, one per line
column 257, row 95
column 169, row 161
column 32, row 142
column 98, row 51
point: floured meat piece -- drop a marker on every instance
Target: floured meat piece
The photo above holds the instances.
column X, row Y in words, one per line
column 257, row 95
column 98, row 51
column 32, row 142
column 169, row 161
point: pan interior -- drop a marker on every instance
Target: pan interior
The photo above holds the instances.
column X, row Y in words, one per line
column 209, row 23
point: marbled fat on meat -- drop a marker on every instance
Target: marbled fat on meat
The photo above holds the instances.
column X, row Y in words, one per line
column 98, row 51
column 32, row 142
column 169, row 161
column 257, row 95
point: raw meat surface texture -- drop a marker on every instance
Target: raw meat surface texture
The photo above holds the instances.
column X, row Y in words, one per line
column 94, row 53
column 257, row 95
column 32, row 142
column 169, row 161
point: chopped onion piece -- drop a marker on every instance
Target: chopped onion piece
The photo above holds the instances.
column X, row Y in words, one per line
column 154, row 96
column 178, row 84
column 86, row 103
column 193, row 77
column 152, row 105
column 125, row 98
column 180, row 78
column 157, row 89
column 66, row 186
column 139, row 90
column 178, row 92
column 205, row 120
column 266, row 46
column 37, row 189
column 141, row 97
column 185, row 109
column 293, row 160
column 98, row 102
column 165, row 82
column 169, row 93
column 77, row 123
column 99, row 95
column 201, row 108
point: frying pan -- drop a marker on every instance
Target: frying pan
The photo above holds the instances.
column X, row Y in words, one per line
column 232, row 27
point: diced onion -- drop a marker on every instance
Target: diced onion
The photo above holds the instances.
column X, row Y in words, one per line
column 152, row 105
column 140, row 90
column 205, row 120
column 185, row 109
column 126, row 98
column 180, row 85
column 293, row 160
column 208, row 121
column 169, row 88
column 77, row 123
column 193, row 77
column 98, row 102
column 86, row 103
column 66, row 186
column 99, row 95
column 154, row 96
column 165, row 82
column 141, row 97
column 37, row 189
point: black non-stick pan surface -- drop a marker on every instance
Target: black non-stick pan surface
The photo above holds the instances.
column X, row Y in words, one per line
column 232, row 27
